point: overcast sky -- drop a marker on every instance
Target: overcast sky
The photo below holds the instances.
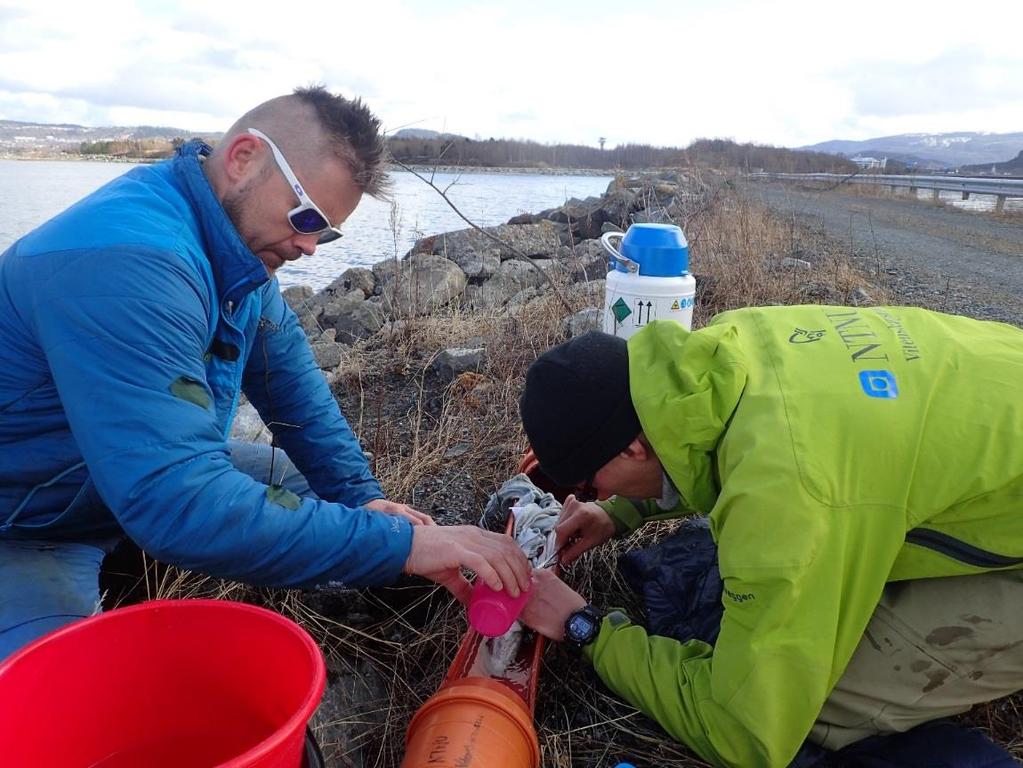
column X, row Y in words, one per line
column 786, row 73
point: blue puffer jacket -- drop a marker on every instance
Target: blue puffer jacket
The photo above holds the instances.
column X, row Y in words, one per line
column 129, row 324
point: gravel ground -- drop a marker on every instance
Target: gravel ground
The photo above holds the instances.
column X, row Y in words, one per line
column 932, row 255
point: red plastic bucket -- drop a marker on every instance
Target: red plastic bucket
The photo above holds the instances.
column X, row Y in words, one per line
column 197, row 683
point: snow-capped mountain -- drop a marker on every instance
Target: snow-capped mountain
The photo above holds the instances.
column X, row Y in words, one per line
column 939, row 149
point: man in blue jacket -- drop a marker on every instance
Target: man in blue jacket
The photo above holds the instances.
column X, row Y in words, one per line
column 131, row 323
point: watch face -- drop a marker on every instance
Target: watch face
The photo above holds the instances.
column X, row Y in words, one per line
column 581, row 628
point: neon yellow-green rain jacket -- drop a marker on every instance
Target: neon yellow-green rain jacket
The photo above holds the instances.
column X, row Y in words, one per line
column 834, row 449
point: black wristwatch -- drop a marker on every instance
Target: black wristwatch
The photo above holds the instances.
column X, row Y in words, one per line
column 583, row 626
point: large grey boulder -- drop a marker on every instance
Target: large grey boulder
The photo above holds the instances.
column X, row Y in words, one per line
column 528, row 239
column 617, row 184
column 327, row 354
column 584, row 217
column 351, row 317
column 360, row 321
column 384, row 272
column 565, row 234
column 586, row 261
column 553, row 268
column 525, row 218
column 354, row 282
column 618, row 205
column 340, row 306
column 457, row 360
column 478, row 265
column 589, row 218
column 584, row 320
column 422, row 284
column 297, row 295
column 575, row 209
column 513, row 276
column 303, row 303
column 522, row 298
column 310, row 323
column 353, row 279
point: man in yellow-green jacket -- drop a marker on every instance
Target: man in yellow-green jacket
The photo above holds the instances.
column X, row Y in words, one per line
column 834, row 449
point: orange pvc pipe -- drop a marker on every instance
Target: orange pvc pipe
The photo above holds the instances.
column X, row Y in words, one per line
column 477, row 721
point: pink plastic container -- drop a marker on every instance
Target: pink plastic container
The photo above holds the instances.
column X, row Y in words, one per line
column 492, row 613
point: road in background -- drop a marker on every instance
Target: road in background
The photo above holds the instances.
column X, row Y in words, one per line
column 937, row 256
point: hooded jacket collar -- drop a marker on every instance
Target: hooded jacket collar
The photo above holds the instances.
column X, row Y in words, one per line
column 685, row 387
column 236, row 269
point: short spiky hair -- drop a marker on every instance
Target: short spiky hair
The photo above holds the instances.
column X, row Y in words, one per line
column 354, row 132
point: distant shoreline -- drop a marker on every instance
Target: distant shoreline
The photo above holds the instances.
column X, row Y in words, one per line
column 423, row 169
column 536, row 171
column 58, row 157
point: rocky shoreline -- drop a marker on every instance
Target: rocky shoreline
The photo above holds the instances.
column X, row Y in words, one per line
column 502, row 269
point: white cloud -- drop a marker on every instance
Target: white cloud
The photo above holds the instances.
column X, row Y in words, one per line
column 789, row 72
column 958, row 81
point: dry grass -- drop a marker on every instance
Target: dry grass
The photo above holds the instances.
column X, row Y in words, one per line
column 446, row 447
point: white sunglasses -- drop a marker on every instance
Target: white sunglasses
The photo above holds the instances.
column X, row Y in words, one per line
column 306, row 218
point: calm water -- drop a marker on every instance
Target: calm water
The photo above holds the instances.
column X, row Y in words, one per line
column 32, row 192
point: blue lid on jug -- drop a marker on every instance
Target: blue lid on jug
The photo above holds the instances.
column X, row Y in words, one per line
column 660, row 250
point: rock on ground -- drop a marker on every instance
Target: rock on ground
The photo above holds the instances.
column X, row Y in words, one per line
column 451, row 362
column 423, row 284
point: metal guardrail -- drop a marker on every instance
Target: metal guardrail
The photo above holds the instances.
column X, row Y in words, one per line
column 976, row 185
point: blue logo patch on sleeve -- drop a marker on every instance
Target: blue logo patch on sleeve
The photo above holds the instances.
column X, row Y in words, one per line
column 879, row 384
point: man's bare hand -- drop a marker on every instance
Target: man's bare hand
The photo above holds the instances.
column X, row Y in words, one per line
column 414, row 516
column 585, row 525
column 551, row 603
column 438, row 552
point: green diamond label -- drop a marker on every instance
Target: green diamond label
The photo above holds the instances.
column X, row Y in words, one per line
column 620, row 310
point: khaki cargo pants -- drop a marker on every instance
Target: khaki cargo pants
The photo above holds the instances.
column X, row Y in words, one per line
column 933, row 648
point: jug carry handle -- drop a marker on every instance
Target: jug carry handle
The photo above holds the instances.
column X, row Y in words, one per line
column 616, row 255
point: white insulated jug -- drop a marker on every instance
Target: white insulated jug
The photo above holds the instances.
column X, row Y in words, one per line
column 649, row 279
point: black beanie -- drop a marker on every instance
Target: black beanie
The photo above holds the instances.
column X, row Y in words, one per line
column 576, row 408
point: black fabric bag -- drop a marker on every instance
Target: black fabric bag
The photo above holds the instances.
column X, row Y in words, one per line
column 681, row 587
column 679, row 580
